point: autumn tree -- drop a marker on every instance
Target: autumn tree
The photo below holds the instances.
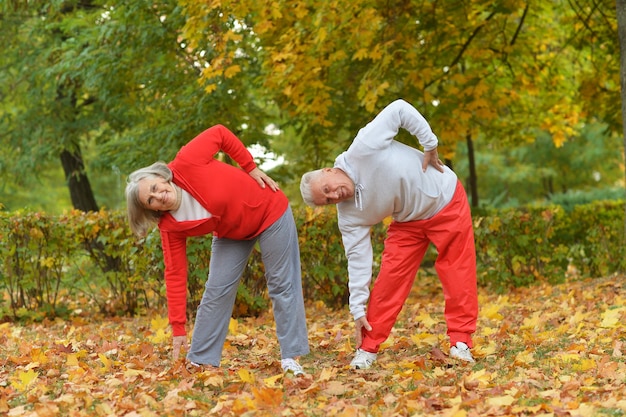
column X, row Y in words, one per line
column 110, row 78
column 493, row 72
column 621, row 23
column 121, row 84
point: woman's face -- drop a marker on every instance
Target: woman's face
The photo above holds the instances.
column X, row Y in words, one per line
column 157, row 194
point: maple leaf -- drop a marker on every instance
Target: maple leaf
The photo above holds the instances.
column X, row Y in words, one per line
column 483, row 350
column 159, row 322
column 72, row 359
column 23, row 379
column 543, row 369
column 233, row 326
column 327, row 374
column 161, row 336
column 271, row 381
column 524, row 358
column 39, row 356
column 246, row 376
column 65, row 348
column 500, row 401
column 585, row 365
column 106, row 362
column 232, row 71
column 424, row 339
column 491, row 311
column 48, row 409
column 437, row 355
column 335, row 388
column 617, row 348
column 425, row 319
column 267, row 397
column 612, row 317
column 481, row 376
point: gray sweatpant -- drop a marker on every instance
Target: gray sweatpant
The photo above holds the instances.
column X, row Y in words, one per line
column 281, row 258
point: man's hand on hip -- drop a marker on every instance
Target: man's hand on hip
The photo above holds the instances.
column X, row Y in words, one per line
column 432, row 158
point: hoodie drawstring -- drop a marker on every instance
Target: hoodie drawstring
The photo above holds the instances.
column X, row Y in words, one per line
column 358, row 197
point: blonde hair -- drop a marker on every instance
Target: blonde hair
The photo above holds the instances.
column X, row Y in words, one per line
column 305, row 186
column 140, row 219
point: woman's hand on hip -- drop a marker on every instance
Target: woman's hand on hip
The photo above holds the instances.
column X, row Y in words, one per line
column 262, row 178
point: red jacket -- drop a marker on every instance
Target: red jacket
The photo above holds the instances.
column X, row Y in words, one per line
column 240, row 208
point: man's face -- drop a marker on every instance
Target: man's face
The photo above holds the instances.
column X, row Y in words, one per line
column 331, row 187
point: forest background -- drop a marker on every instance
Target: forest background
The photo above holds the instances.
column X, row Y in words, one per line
column 524, row 96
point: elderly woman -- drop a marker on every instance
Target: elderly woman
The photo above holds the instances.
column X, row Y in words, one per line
column 196, row 195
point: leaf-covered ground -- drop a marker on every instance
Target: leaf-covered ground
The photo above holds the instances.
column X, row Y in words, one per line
column 541, row 351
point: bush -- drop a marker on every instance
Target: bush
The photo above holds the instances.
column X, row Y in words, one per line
column 92, row 258
column 517, row 247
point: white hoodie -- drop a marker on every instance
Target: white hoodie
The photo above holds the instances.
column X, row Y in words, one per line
column 388, row 181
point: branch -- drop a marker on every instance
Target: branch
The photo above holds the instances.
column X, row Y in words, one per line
column 178, row 51
column 521, row 23
column 469, row 40
column 584, row 19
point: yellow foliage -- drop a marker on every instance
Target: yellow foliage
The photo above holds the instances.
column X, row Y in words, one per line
column 532, row 322
column 501, row 401
column 210, row 88
column 491, row 311
column 233, row 326
column 268, row 398
column 613, row 317
column 271, row 381
column 424, row 339
column 72, row 359
column 246, row 376
column 48, row 262
column 585, row 365
column 231, row 71
column 215, row 381
column 161, row 336
column 529, row 357
column 24, row 379
column 483, row 350
column 39, row 356
column 106, row 362
column 524, row 358
column 426, row 319
column 159, row 323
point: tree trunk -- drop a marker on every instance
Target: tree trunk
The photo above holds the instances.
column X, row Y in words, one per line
column 621, row 30
column 77, row 181
column 473, row 181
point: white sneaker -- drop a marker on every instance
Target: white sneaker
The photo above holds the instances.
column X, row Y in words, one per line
column 291, row 365
column 461, row 351
column 363, row 359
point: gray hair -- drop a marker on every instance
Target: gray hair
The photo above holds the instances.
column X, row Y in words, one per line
column 141, row 219
column 305, row 186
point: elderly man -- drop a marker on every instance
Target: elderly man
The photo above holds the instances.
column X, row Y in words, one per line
column 378, row 177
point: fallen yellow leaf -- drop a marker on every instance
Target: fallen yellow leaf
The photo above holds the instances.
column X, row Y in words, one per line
column 23, row 379
column 504, row 400
column 245, row 375
column 612, row 317
column 271, row 381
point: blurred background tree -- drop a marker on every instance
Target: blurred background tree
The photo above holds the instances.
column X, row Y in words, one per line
column 524, row 96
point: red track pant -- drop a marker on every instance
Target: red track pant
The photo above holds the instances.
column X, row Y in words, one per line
column 452, row 233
